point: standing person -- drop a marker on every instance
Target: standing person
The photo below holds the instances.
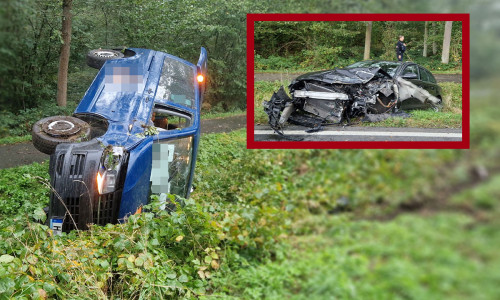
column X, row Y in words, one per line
column 400, row 48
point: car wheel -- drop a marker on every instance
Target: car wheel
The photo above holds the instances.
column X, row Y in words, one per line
column 96, row 58
column 438, row 107
column 52, row 131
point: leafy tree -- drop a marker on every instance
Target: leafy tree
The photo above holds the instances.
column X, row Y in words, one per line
column 62, row 79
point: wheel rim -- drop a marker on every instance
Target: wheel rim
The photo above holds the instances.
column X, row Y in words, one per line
column 106, row 54
column 57, row 128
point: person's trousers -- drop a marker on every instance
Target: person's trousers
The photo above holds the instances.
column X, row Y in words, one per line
column 400, row 59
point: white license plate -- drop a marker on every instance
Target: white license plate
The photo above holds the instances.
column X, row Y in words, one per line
column 56, row 225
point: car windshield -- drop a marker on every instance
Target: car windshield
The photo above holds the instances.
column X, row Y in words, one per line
column 176, row 83
column 389, row 67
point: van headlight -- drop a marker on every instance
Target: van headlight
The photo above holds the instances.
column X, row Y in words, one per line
column 109, row 168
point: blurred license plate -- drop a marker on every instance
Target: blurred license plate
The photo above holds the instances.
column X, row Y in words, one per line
column 56, row 225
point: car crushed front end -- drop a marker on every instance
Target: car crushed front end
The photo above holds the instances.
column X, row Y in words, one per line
column 339, row 95
column 110, row 175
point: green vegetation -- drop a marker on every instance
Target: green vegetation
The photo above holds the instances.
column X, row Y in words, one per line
column 440, row 256
column 449, row 117
column 282, row 233
column 423, row 119
column 14, row 139
column 278, row 235
column 412, row 224
column 31, row 38
column 21, row 190
column 216, row 115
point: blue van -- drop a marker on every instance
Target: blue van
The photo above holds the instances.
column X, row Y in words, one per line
column 134, row 133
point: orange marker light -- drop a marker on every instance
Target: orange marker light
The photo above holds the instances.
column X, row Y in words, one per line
column 200, row 78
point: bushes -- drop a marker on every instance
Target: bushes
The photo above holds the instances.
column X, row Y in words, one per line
column 275, row 62
column 315, row 59
column 239, row 216
column 153, row 255
column 21, row 123
column 21, row 191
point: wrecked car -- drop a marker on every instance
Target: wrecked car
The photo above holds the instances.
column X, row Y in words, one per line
column 374, row 90
column 134, row 133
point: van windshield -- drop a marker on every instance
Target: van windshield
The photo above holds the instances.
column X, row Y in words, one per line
column 176, row 83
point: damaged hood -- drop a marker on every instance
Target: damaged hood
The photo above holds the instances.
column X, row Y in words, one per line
column 343, row 76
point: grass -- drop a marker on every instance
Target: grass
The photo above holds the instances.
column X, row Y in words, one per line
column 217, row 115
column 442, row 256
column 422, row 119
column 449, row 117
column 14, row 139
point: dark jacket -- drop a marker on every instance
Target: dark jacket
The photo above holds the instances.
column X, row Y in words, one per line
column 400, row 48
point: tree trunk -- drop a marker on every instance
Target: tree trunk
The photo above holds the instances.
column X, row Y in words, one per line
column 445, row 58
column 368, row 40
column 434, row 45
column 62, row 77
column 425, row 39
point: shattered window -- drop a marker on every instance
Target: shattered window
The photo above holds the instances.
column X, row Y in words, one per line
column 388, row 67
column 424, row 76
column 413, row 69
column 171, row 166
column 431, row 77
column 176, row 83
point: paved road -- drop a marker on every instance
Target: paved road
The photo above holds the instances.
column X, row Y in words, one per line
column 25, row 153
column 337, row 133
column 287, row 77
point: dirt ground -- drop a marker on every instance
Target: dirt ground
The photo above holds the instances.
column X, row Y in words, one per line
column 25, row 153
column 289, row 76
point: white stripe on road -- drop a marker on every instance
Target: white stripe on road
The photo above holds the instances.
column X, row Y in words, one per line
column 366, row 133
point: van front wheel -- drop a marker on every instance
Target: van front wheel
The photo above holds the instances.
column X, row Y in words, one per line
column 52, row 131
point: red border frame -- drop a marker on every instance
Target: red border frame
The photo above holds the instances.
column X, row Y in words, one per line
column 464, row 144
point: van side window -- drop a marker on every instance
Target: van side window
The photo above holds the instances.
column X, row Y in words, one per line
column 165, row 119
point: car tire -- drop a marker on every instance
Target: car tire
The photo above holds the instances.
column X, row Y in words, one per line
column 438, row 107
column 52, row 131
column 97, row 57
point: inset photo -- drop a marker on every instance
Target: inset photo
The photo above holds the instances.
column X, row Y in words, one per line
column 358, row 81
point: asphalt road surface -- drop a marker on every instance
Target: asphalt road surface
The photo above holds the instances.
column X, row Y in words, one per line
column 287, row 77
column 338, row 133
column 25, row 153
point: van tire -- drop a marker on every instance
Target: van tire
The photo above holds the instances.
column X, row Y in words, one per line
column 97, row 57
column 49, row 132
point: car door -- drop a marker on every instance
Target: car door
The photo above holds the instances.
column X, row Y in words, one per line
column 176, row 117
column 411, row 77
column 426, row 83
